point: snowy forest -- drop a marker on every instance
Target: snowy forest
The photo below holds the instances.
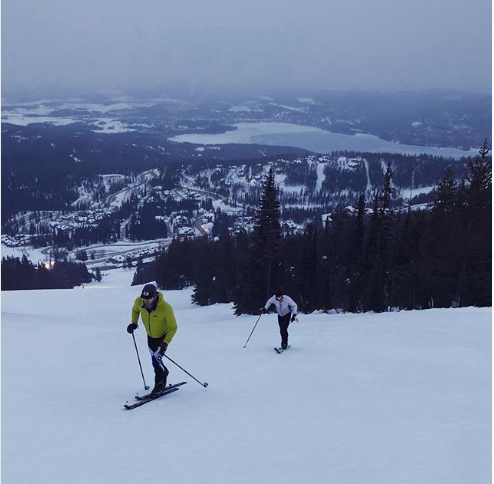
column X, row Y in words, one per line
column 328, row 248
column 359, row 261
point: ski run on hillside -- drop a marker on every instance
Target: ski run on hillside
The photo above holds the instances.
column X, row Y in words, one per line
column 387, row 398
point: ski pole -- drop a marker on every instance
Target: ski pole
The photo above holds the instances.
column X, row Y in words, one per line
column 205, row 384
column 245, row 345
column 139, row 360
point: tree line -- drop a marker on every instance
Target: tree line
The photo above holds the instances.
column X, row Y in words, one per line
column 21, row 273
column 365, row 259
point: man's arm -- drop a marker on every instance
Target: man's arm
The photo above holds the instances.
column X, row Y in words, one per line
column 171, row 323
column 269, row 302
column 292, row 305
column 134, row 316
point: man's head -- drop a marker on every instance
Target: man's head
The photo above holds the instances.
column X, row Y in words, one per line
column 149, row 292
column 279, row 295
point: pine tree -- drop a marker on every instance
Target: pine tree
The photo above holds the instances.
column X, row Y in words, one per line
column 387, row 235
column 262, row 278
column 98, row 275
column 455, row 256
column 175, row 266
column 267, row 233
column 356, row 258
column 204, row 279
column 444, row 198
column 307, row 265
column 380, row 249
column 226, row 265
column 473, row 283
column 408, row 291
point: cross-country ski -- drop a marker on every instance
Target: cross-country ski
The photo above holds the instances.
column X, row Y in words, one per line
column 142, row 400
column 281, row 349
column 150, row 396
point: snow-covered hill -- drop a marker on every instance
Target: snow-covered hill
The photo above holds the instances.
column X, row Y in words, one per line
column 187, row 201
column 358, row 399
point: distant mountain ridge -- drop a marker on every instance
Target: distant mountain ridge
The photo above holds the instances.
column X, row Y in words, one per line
column 453, row 119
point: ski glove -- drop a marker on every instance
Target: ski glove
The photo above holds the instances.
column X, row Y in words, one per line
column 160, row 352
column 162, row 349
column 262, row 310
column 131, row 328
column 294, row 318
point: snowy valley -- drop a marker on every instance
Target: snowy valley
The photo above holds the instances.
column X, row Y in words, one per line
column 106, row 171
column 111, row 211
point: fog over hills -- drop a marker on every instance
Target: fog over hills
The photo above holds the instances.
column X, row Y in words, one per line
column 313, row 44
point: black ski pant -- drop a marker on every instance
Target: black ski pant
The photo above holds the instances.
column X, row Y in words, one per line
column 284, row 321
column 160, row 370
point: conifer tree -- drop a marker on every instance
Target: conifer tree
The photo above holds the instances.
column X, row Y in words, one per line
column 439, row 251
column 445, row 196
column 307, row 267
column 263, row 269
column 408, row 292
column 205, row 278
column 325, row 271
column 475, row 258
column 98, row 276
column 379, row 250
column 356, row 258
column 226, row 268
column 455, row 256
column 387, row 236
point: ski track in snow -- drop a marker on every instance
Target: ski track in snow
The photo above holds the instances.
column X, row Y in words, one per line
column 358, row 399
column 368, row 189
column 320, row 176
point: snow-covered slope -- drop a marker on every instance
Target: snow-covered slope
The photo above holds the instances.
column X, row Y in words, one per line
column 370, row 398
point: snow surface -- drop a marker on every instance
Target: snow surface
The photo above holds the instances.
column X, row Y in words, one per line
column 358, row 399
column 33, row 255
column 413, row 192
column 320, row 176
column 24, row 114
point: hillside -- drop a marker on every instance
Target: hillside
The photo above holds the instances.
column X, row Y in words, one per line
column 206, row 197
column 358, row 399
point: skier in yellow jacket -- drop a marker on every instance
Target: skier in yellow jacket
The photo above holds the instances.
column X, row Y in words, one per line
column 160, row 324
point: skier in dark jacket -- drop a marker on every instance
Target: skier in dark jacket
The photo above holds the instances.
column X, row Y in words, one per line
column 160, row 324
column 287, row 311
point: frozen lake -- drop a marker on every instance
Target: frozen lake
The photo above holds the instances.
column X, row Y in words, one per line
column 313, row 139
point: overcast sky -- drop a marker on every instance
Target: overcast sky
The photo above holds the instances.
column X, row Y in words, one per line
column 246, row 44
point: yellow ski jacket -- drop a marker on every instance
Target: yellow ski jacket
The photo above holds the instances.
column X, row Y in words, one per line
column 159, row 322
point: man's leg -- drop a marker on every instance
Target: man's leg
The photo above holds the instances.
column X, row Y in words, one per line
column 283, row 322
column 160, row 370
